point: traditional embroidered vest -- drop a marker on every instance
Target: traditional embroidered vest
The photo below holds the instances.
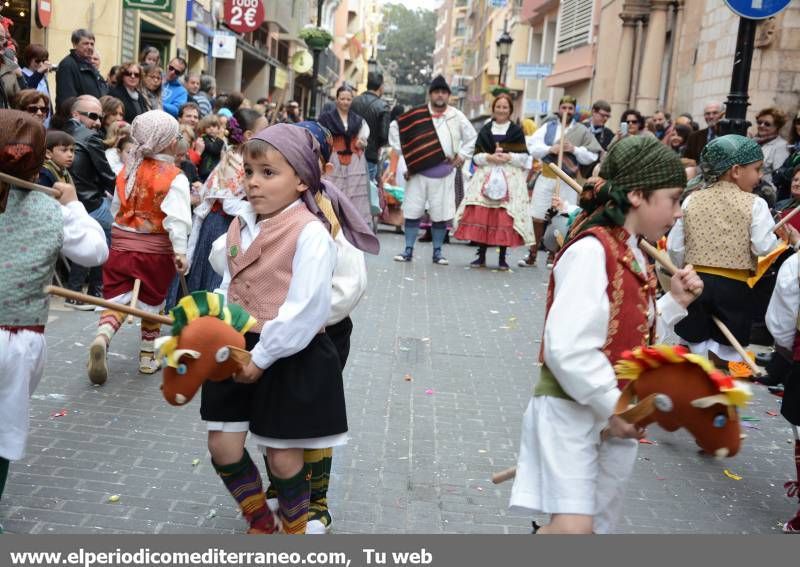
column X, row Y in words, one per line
column 260, row 276
column 142, row 210
column 717, row 228
column 32, row 229
column 631, row 293
column 339, row 146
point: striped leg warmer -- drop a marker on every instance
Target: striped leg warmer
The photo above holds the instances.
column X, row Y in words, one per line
column 293, row 494
column 319, row 460
column 110, row 322
column 243, row 481
column 150, row 332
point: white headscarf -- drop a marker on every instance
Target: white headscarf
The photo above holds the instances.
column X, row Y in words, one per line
column 152, row 133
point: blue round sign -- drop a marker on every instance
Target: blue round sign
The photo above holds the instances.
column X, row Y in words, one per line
column 757, row 9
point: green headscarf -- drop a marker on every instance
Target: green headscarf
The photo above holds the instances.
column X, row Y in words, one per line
column 723, row 152
column 636, row 162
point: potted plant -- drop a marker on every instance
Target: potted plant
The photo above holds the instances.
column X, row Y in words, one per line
column 316, row 38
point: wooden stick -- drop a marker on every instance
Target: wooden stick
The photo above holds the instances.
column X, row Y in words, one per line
column 140, row 313
column 137, row 285
column 240, row 355
column 565, row 178
column 561, row 149
column 505, row 475
column 22, row 184
column 785, row 219
column 665, row 261
column 184, row 286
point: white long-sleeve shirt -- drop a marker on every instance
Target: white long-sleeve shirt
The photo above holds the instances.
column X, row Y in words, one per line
column 308, row 302
column 84, row 239
column 784, row 304
column 762, row 239
column 576, row 328
column 523, row 161
column 538, row 148
column 176, row 206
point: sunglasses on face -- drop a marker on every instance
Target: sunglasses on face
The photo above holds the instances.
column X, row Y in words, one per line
column 632, row 121
column 36, row 109
column 93, row 116
column 133, row 74
column 176, row 71
column 765, row 123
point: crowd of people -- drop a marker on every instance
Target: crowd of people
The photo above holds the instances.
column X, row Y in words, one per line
column 175, row 198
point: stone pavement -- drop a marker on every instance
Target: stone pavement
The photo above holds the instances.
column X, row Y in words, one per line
column 441, row 369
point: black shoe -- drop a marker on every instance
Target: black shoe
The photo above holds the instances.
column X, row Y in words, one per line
column 502, row 265
column 78, row 304
column 764, row 358
column 536, row 527
column 768, row 380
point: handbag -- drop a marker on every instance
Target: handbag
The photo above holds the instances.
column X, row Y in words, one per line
column 495, row 186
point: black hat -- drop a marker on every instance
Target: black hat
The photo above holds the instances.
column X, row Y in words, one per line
column 439, row 83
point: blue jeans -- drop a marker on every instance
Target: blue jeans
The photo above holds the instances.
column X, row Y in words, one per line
column 77, row 273
column 372, row 170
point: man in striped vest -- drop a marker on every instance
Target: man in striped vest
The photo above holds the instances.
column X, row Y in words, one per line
column 432, row 166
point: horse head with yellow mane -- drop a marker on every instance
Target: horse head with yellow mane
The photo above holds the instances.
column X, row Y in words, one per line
column 207, row 343
column 690, row 393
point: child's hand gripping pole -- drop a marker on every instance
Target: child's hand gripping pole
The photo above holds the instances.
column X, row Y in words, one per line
column 670, row 268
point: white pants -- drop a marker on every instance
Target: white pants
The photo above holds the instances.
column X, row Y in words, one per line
column 542, row 198
column 438, row 193
column 22, row 359
column 563, row 468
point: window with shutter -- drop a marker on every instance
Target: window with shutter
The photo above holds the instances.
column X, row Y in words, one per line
column 575, row 24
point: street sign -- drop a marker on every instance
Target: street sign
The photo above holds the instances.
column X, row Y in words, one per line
column 535, row 107
column 148, row 5
column 244, row 16
column 498, row 3
column 533, row 70
column 757, row 9
column 44, row 11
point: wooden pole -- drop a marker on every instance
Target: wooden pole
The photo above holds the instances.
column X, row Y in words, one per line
column 561, row 150
column 565, row 178
column 22, row 184
column 786, row 219
column 140, row 313
column 665, row 261
column 137, row 285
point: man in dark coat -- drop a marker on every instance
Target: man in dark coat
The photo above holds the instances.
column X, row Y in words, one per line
column 713, row 113
column 372, row 108
column 76, row 75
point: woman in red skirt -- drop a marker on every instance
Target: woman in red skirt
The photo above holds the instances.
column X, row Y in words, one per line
column 494, row 209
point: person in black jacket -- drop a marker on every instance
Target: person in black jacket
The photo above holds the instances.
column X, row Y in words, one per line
column 372, row 108
column 76, row 75
column 94, row 182
column 601, row 112
column 129, row 90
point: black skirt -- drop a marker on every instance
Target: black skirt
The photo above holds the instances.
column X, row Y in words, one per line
column 730, row 300
column 340, row 335
column 301, row 396
column 790, row 405
column 228, row 400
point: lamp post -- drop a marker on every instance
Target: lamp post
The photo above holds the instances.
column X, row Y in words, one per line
column 503, row 49
column 312, row 111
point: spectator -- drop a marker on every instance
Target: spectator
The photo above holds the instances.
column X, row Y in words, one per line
column 210, row 128
column 113, row 111
column 293, row 115
column 76, row 75
column 782, row 177
column 119, row 143
column 129, row 90
column 374, row 110
column 686, row 120
column 111, row 79
column 94, row 182
column 33, row 102
column 713, row 113
column 96, row 59
column 208, row 88
column 661, row 123
column 152, row 81
column 677, row 137
column 234, row 101
column 36, row 65
column 59, row 155
column 189, row 114
column 12, row 80
column 601, row 112
column 775, row 147
column 150, row 56
column 632, row 125
column 192, row 85
column 175, row 94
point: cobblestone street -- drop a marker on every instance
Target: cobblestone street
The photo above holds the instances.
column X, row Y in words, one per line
column 441, row 368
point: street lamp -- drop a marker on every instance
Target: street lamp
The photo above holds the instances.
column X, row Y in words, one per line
column 503, row 49
column 372, row 65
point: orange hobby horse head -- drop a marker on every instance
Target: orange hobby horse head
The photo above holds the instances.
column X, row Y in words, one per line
column 690, row 393
column 206, row 333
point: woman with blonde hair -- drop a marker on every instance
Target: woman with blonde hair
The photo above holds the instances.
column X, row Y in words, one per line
column 774, row 146
column 130, row 90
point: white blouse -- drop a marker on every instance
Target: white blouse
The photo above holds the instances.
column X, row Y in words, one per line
column 784, row 305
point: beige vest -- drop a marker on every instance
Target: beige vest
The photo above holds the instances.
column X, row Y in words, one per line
column 717, row 228
column 261, row 275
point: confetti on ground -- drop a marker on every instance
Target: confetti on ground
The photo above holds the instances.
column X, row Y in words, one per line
column 750, row 418
column 647, row 442
column 211, row 514
column 512, row 319
column 750, row 425
column 481, row 450
column 731, row 475
column 408, row 279
column 772, row 413
column 113, row 498
column 429, row 391
column 195, row 462
column 661, row 478
column 61, row 413
column 493, row 312
column 408, row 378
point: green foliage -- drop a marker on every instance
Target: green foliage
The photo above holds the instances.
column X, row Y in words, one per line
column 409, row 37
column 315, row 34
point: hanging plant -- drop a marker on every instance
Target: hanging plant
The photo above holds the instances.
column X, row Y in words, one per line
column 316, row 38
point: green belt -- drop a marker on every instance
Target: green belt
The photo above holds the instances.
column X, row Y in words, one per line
column 548, row 385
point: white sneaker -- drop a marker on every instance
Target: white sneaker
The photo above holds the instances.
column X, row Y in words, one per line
column 315, row 527
column 272, row 504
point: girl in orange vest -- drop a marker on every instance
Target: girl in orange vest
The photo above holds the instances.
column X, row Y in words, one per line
column 152, row 219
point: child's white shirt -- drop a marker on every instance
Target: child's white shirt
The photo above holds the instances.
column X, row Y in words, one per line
column 784, row 304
